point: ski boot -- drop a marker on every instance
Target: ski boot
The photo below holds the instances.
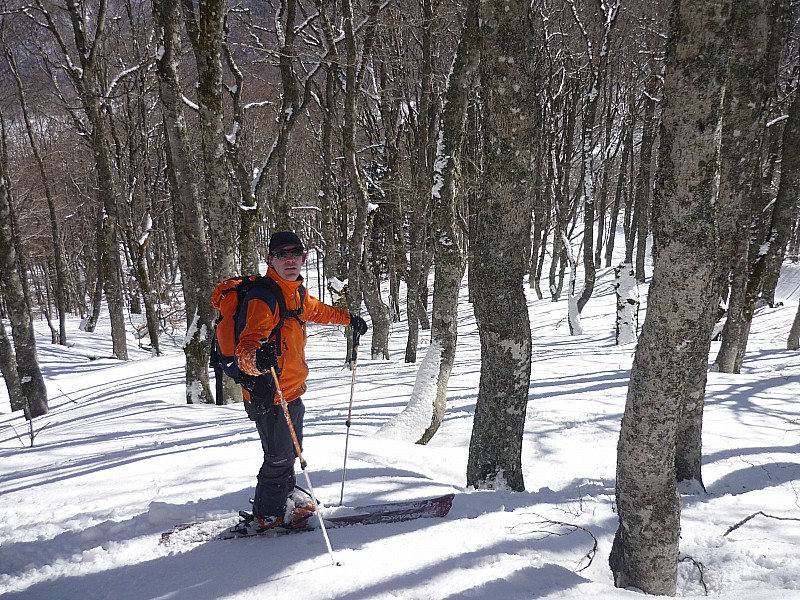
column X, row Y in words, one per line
column 299, row 510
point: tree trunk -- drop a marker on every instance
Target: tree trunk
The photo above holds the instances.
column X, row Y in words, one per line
column 355, row 69
column 90, row 322
column 190, row 236
column 88, row 83
column 206, row 37
column 60, row 290
column 147, row 292
column 598, row 66
column 448, row 240
column 627, row 292
column 422, row 173
column 8, row 368
column 622, row 181
column 675, row 339
column 750, row 83
column 502, row 235
column 30, row 376
column 793, row 341
column 642, row 197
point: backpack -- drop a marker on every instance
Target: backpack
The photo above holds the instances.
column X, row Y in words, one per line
column 230, row 298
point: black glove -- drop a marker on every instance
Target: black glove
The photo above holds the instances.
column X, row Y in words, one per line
column 266, row 359
column 358, row 324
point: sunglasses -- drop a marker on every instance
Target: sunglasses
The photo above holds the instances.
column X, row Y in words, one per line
column 284, row 254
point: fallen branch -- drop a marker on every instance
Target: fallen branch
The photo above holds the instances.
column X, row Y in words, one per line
column 755, row 514
column 573, row 528
column 700, row 569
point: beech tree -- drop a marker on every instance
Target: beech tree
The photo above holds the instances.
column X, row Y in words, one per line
column 449, row 236
column 31, row 382
column 190, row 233
column 501, row 238
column 81, row 60
column 675, row 339
column 753, row 75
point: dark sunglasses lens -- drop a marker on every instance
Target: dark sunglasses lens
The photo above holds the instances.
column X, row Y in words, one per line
column 284, row 254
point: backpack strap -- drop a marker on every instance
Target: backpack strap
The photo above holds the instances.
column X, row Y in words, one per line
column 268, row 290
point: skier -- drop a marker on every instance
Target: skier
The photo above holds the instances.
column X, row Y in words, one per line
column 269, row 340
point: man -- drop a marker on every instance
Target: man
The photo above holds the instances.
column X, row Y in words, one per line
column 262, row 346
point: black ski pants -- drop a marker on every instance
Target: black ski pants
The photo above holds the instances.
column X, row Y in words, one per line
column 276, row 479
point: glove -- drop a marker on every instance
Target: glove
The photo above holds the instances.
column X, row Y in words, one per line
column 358, row 324
column 247, row 361
column 266, row 359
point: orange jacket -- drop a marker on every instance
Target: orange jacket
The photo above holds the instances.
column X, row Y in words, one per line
column 292, row 360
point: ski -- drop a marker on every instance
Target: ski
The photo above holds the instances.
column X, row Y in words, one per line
column 387, row 512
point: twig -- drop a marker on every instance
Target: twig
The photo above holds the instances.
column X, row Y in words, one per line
column 67, row 396
column 572, row 527
column 755, row 514
column 19, row 437
column 700, row 569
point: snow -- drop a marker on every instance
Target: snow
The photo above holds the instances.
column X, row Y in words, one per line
column 412, row 422
column 120, row 458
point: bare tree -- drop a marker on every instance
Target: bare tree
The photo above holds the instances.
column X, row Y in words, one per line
column 205, row 31
column 361, row 283
column 58, row 253
column 189, row 229
column 608, row 11
column 673, row 347
column 500, row 243
column 31, row 382
column 753, row 74
column 82, row 61
column 449, row 233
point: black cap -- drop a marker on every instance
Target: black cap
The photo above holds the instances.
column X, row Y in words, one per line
column 284, row 239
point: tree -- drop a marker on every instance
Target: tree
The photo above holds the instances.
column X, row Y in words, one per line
column 31, row 382
column 206, row 35
column 361, row 283
column 675, row 339
column 189, row 230
column 8, row 368
column 501, row 239
column 424, row 133
column 450, row 254
column 58, row 252
column 81, row 61
column 598, row 67
column 759, row 38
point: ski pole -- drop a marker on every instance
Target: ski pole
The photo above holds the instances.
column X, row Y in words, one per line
column 303, row 465
column 353, row 361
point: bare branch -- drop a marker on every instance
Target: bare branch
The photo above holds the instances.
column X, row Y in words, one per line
column 733, row 528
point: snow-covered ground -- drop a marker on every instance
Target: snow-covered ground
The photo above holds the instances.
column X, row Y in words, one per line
column 120, row 458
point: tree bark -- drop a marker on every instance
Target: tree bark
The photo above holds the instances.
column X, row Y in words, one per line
column 448, row 238
column 355, row 70
column 598, row 66
column 675, row 339
column 190, row 234
column 60, row 290
column 8, row 368
column 502, row 235
column 87, row 81
column 206, row 36
column 422, row 173
column 30, row 378
column 641, row 200
column 751, row 82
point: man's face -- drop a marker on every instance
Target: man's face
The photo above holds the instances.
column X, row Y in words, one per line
column 288, row 262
